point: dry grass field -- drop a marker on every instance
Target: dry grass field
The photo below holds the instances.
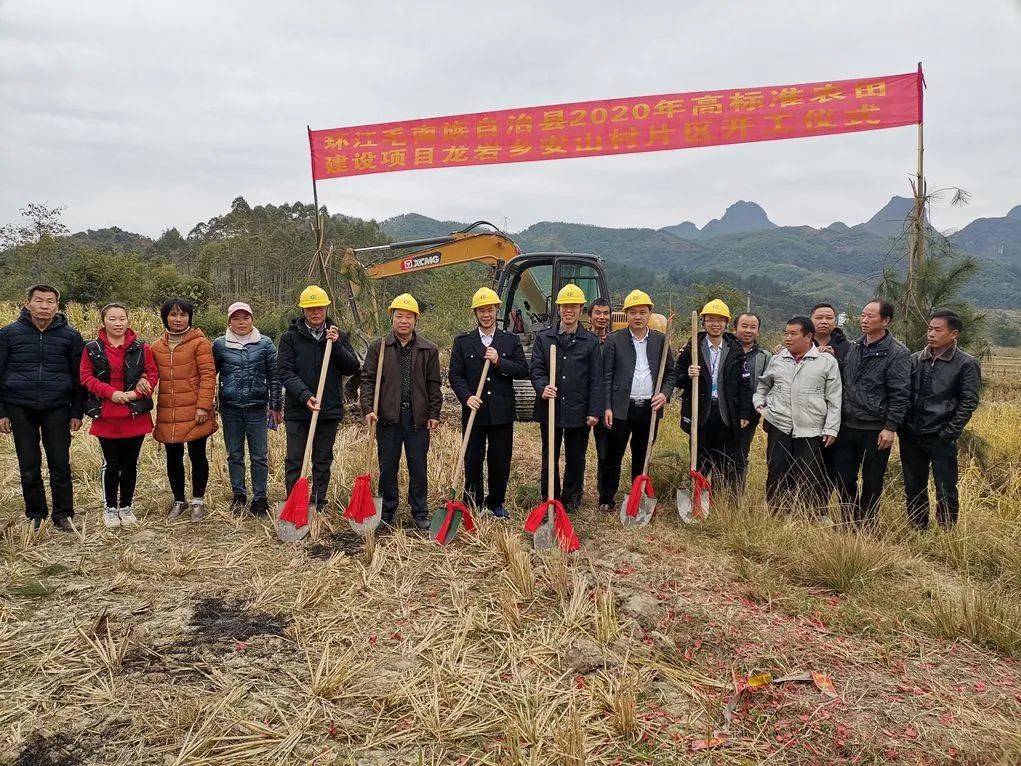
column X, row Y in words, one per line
column 212, row 643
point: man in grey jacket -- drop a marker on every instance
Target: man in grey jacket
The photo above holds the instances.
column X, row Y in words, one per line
column 876, row 375
column 799, row 398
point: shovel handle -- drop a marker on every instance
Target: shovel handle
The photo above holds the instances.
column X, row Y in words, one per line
column 659, row 384
column 459, row 465
column 375, row 404
column 551, row 438
column 306, row 462
column 694, row 390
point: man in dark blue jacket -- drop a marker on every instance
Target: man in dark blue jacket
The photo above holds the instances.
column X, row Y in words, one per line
column 876, row 374
column 494, row 419
column 41, row 398
column 250, row 401
column 578, row 392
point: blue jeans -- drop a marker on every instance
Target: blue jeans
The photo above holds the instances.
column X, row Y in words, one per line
column 240, row 424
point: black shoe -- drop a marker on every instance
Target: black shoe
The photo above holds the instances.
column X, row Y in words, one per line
column 500, row 512
column 320, row 507
column 260, row 506
column 421, row 523
column 605, row 507
column 35, row 521
column 63, row 523
column 238, row 503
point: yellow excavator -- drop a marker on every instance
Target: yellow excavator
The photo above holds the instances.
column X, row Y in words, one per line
column 526, row 282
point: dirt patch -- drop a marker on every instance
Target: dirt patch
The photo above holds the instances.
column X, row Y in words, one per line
column 57, row 750
column 337, row 542
column 219, row 621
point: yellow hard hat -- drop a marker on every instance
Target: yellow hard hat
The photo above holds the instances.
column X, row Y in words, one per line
column 570, row 294
column 405, row 302
column 718, row 307
column 485, row 297
column 637, row 298
column 313, row 296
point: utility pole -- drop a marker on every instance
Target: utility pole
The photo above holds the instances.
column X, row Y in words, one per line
column 916, row 245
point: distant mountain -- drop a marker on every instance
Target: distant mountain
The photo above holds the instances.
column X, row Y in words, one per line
column 740, row 217
column 112, row 239
column 839, row 263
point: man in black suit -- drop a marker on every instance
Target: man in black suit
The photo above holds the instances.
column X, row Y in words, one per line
column 577, row 391
column 494, row 423
column 631, row 360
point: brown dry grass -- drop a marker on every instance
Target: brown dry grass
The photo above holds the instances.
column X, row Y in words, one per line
column 212, row 643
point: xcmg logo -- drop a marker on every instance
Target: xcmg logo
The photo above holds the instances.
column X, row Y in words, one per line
column 422, row 260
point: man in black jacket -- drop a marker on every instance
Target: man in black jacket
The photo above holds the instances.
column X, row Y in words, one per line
column 299, row 363
column 829, row 338
column 41, row 398
column 600, row 322
column 945, row 384
column 631, row 358
column 756, row 358
column 724, row 396
column 577, row 390
column 494, row 419
column 876, row 374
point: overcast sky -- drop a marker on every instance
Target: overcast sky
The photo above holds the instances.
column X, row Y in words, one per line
column 150, row 115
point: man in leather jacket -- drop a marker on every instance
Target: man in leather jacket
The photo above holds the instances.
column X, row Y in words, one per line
column 945, row 385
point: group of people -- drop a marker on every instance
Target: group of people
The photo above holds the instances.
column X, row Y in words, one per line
column 831, row 408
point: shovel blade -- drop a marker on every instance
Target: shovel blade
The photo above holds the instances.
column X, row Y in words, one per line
column 686, row 508
column 437, row 521
column 364, row 528
column 646, row 508
column 544, row 538
column 286, row 530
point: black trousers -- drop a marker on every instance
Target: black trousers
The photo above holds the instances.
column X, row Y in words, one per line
column 795, row 472
column 391, row 440
column 492, row 446
column 744, row 450
column 602, row 438
column 199, row 468
column 719, row 453
column 575, row 443
column 636, row 429
column 919, row 453
column 53, row 429
column 856, row 451
column 120, row 470
column 322, row 455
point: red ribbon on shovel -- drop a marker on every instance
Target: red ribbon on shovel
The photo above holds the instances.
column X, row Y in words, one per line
column 466, row 518
column 361, row 506
column 701, row 488
column 642, row 485
column 563, row 530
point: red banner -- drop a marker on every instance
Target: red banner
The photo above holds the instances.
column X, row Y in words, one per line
column 620, row 126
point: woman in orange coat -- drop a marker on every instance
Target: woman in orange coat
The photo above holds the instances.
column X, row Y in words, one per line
column 184, row 403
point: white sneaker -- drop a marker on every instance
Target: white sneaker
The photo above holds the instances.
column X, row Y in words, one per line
column 111, row 519
column 128, row 518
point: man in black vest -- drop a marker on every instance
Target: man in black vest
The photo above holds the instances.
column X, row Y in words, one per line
column 494, row 421
column 724, row 396
column 945, row 386
column 41, row 399
column 630, row 367
column 578, row 392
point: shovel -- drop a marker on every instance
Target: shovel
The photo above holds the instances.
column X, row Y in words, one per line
column 446, row 521
column 694, row 506
column 365, row 510
column 292, row 523
column 640, row 503
column 548, row 522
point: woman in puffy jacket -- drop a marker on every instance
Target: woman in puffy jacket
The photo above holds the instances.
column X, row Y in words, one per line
column 250, row 403
column 118, row 371
column 184, row 403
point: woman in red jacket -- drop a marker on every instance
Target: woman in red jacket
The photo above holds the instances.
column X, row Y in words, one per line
column 120, row 374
